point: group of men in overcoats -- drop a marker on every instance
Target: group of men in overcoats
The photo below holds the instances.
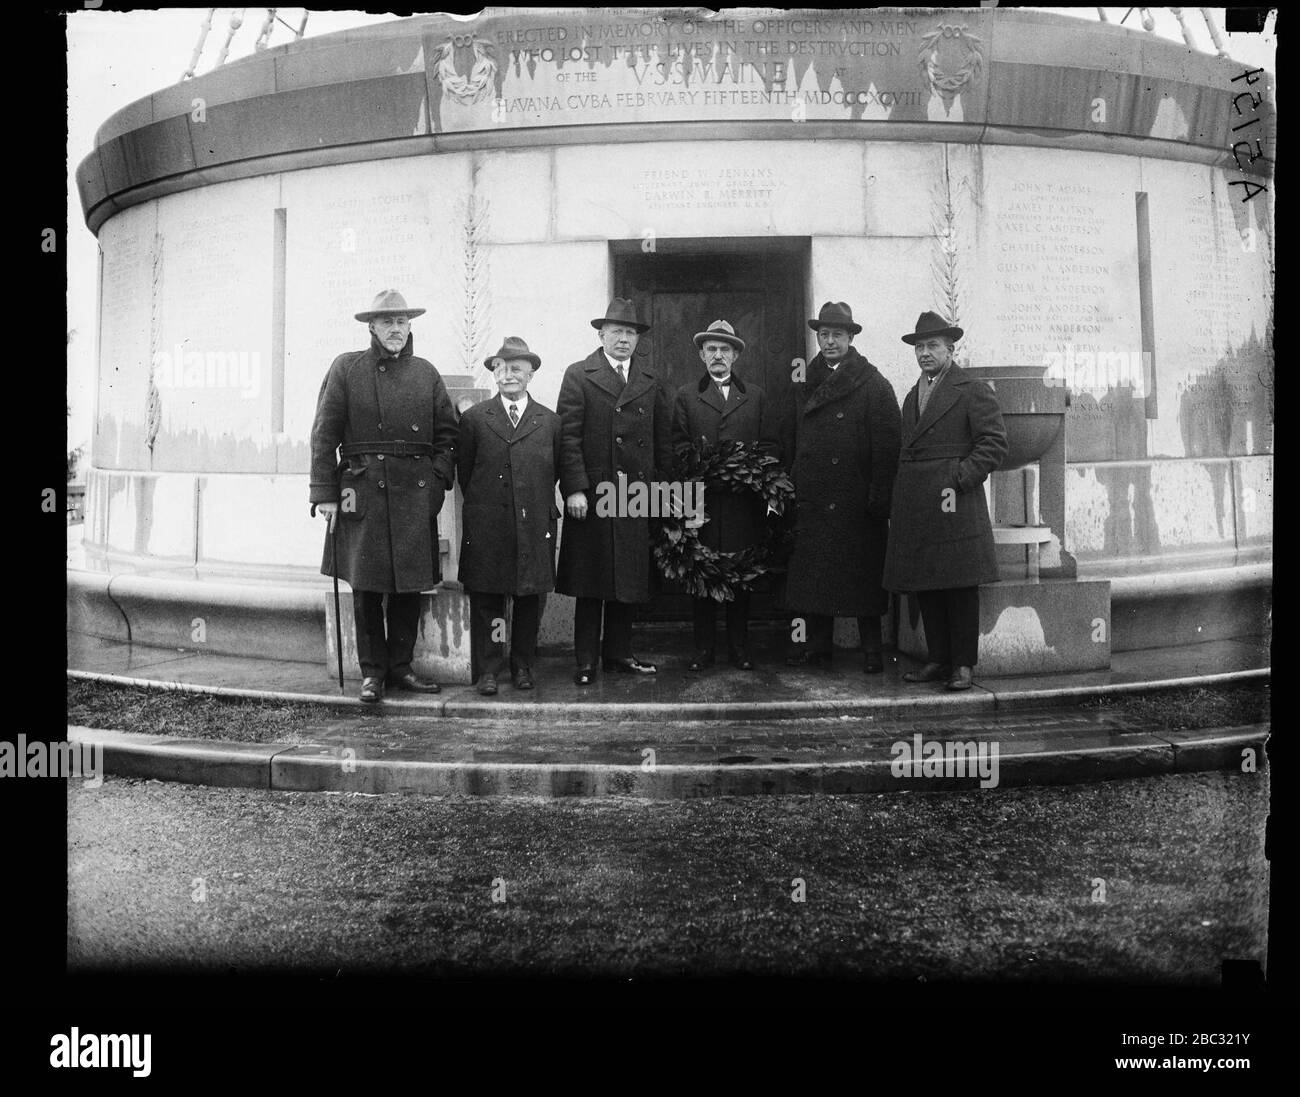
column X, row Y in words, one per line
column 885, row 500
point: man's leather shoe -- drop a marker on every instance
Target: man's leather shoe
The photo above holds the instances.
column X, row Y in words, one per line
column 873, row 662
column 487, row 685
column 796, row 659
column 584, row 676
column 960, row 678
column 414, row 684
column 523, row 678
column 822, row 660
column 701, row 661
column 931, row 672
column 741, row 660
column 631, row 666
column 372, row 690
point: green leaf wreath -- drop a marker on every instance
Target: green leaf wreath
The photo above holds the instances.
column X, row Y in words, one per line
column 705, row 572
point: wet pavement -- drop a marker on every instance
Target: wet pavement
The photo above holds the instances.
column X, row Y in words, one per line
column 772, row 691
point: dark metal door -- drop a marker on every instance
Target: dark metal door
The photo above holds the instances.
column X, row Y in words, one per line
column 758, row 287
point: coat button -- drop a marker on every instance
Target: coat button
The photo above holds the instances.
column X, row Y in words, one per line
column 619, row 441
column 381, row 456
column 381, row 483
column 835, row 460
column 641, row 443
column 839, row 415
column 831, row 507
column 421, row 483
column 415, row 426
column 383, row 369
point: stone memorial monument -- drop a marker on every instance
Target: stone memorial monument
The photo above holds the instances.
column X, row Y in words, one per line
column 1081, row 197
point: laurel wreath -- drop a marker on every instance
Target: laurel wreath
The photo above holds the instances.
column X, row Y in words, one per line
column 706, row 572
column 948, row 84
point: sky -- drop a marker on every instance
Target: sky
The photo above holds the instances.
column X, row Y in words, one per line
column 115, row 58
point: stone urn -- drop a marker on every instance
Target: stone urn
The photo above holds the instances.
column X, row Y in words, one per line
column 1033, row 411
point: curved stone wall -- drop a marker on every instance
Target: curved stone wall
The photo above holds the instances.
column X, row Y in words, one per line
column 1066, row 190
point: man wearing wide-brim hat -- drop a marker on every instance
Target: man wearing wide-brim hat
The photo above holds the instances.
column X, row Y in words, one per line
column 508, row 461
column 616, row 425
column 843, row 446
column 941, row 538
column 722, row 407
column 382, row 457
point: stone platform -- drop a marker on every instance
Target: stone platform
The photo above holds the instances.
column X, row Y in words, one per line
column 777, row 729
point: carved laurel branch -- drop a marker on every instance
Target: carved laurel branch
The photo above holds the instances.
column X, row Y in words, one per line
column 153, row 399
column 945, row 263
column 475, row 317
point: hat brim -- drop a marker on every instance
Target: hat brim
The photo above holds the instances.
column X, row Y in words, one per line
column 487, row 362
column 915, row 337
column 848, row 326
column 410, row 314
column 702, row 337
column 600, row 323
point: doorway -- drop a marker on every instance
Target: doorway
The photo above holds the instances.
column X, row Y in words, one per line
column 757, row 284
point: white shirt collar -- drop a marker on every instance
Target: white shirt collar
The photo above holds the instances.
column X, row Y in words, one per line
column 521, row 403
column 614, row 363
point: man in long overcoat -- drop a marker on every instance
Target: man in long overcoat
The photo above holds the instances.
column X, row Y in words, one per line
column 717, row 409
column 845, row 443
column 508, row 460
column 615, row 420
column 941, row 539
column 382, row 457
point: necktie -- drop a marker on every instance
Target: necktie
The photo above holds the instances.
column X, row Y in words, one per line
column 621, row 375
column 514, row 415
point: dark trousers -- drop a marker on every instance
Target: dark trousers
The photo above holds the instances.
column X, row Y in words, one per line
column 487, row 630
column 380, row 655
column 705, row 616
column 952, row 624
column 821, row 633
column 587, row 645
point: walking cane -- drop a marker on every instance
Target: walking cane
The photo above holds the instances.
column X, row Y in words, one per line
column 338, row 612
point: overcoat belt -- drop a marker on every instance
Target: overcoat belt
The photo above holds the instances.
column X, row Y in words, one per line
column 397, row 429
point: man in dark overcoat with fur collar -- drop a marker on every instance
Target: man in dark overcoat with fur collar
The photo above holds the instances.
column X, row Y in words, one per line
column 722, row 407
column 845, row 444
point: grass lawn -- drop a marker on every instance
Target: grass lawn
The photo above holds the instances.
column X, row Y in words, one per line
column 1154, row 880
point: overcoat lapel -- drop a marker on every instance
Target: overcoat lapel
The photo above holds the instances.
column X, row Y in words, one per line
column 498, row 420
column 638, row 384
column 845, row 378
column 710, row 395
column 735, row 400
column 941, row 400
column 600, row 374
column 530, row 422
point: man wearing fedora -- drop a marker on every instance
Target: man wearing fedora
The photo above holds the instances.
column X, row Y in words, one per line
column 845, row 445
column 508, row 461
column 382, row 456
column 941, row 538
column 717, row 409
column 615, row 421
